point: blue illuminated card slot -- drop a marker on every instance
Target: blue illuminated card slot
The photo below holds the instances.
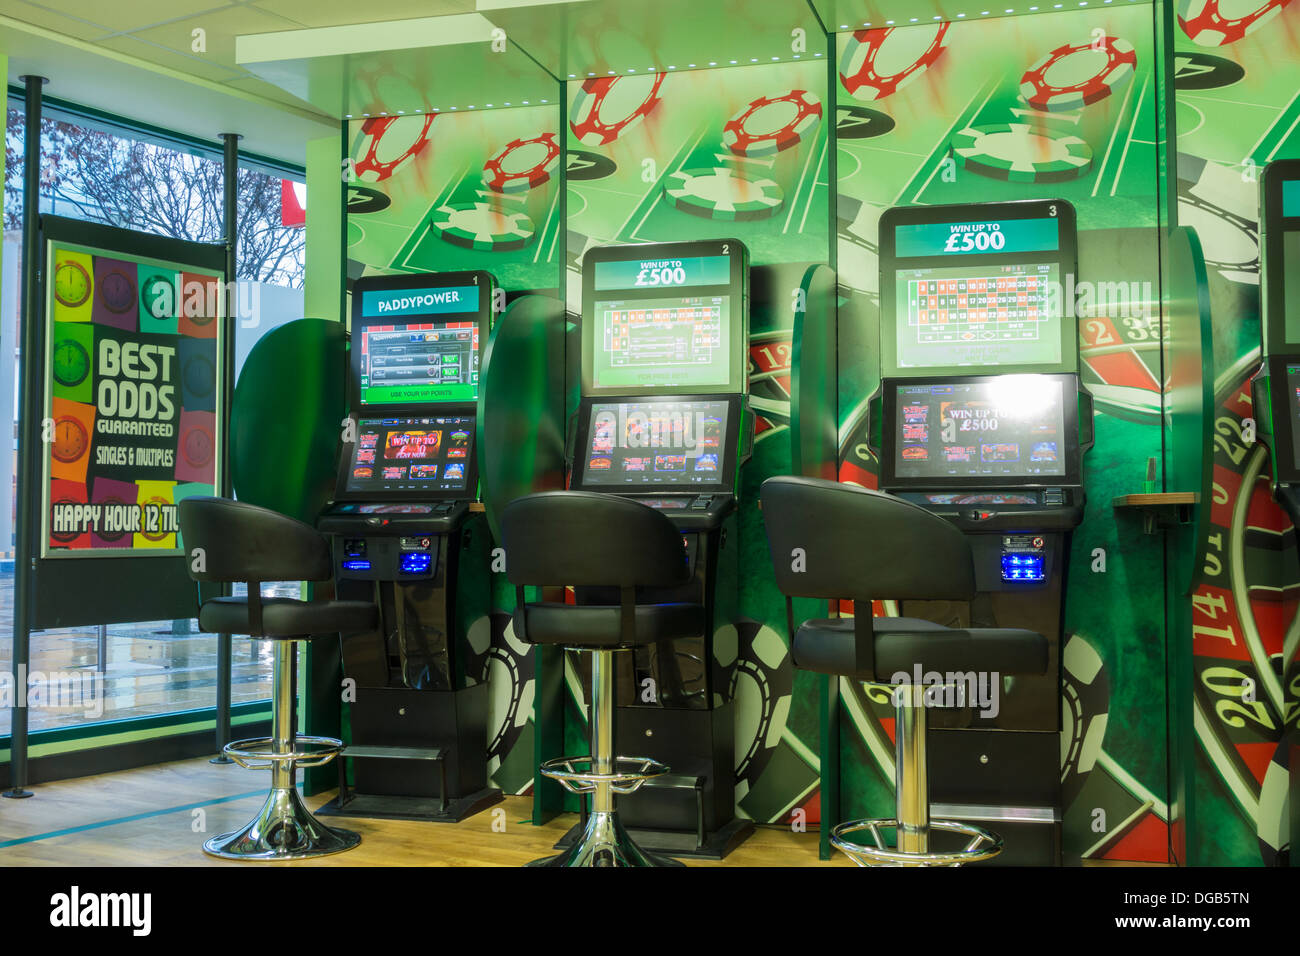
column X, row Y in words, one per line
column 1022, row 567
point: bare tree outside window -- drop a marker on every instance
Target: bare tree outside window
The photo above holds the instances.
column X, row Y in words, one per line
column 94, row 175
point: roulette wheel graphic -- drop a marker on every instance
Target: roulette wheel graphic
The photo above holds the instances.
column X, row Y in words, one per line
column 70, row 440
column 116, row 290
column 71, row 362
column 71, row 284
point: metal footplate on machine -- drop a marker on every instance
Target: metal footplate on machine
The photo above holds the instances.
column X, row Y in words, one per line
column 670, row 781
column 982, row 845
column 349, row 803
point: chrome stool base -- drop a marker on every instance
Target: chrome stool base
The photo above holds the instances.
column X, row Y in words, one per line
column 982, row 845
column 605, row 843
column 284, row 829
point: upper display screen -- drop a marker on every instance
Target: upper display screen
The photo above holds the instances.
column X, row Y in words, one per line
column 411, row 456
column 1007, row 429
column 655, row 444
column 416, row 339
column 977, row 238
column 665, row 318
column 979, row 286
column 976, row 315
column 410, row 363
column 1291, row 198
column 669, row 342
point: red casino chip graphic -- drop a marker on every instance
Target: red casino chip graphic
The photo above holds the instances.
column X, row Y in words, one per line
column 1243, row 599
column 386, row 143
column 1221, row 22
column 878, row 63
column 771, row 124
column 605, row 108
column 769, row 379
column 1071, row 77
column 523, row 165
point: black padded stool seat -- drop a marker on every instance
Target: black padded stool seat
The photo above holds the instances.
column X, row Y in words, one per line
column 287, row 617
column 830, row 540
column 601, row 625
column 232, row 541
column 604, row 542
column 827, row 646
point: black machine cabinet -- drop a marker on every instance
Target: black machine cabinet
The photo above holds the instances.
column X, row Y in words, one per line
column 417, row 719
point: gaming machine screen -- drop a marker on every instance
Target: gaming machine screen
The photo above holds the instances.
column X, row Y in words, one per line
column 432, row 456
column 655, row 444
column 670, row 342
column 418, row 344
column 1007, row 428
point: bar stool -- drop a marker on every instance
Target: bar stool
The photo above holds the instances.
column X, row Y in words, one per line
column 831, row 540
column 600, row 541
column 228, row 541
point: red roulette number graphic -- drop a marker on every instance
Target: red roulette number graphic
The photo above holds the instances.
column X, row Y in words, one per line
column 70, row 440
column 523, row 165
column 1221, row 22
column 386, row 143
column 196, row 447
column 769, row 379
column 878, row 63
column 605, row 108
column 1122, row 365
column 116, row 291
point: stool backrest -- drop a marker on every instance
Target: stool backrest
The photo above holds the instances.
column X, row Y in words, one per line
column 584, row 539
column 832, row 540
column 242, row 542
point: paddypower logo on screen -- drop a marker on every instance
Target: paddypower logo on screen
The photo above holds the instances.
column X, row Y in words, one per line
column 454, row 299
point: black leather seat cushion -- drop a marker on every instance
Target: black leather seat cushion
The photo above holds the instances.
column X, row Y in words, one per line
column 286, row 617
column 826, row 646
column 599, row 625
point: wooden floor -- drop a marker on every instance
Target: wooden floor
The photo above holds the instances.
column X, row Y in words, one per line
column 160, row 816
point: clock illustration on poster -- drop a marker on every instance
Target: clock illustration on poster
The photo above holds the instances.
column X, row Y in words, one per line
column 70, row 440
column 63, row 537
column 156, row 506
column 196, row 447
column 109, row 503
column 71, row 362
column 71, row 284
column 117, row 290
column 156, row 296
column 199, row 375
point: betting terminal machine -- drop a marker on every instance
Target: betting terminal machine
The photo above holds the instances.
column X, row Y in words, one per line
column 1276, row 391
column 407, row 537
column 980, row 424
column 663, row 419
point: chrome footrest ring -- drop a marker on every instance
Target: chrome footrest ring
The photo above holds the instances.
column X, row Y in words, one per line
column 576, row 776
column 259, row 753
column 982, row 845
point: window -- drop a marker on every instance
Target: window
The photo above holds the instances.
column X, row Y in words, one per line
column 97, row 171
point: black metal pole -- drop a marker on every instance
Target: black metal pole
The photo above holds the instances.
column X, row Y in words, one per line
column 230, row 225
column 29, row 434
